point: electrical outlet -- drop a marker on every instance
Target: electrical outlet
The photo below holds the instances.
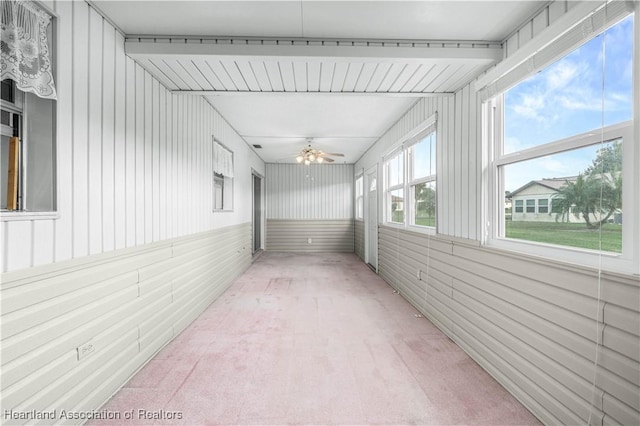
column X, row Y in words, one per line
column 85, row 349
column 418, row 276
column 309, row 240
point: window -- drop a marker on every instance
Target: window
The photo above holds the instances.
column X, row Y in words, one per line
column 563, row 149
column 422, row 180
column 543, row 205
column 359, row 197
column 222, row 177
column 410, row 180
column 27, row 133
column 394, row 188
column 519, row 206
column 531, row 206
column 27, row 150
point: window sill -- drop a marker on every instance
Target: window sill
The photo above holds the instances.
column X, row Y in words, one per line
column 417, row 229
column 8, row 216
column 609, row 261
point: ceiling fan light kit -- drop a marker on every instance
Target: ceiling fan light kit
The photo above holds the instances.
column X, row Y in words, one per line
column 310, row 155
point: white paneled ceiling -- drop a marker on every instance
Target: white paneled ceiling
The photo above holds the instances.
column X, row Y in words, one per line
column 341, row 72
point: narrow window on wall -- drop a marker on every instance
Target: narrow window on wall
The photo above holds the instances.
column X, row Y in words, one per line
column 564, row 148
column 394, row 187
column 359, row 197
column 422, row 179
column 27, row 143
column 222, row 177
column 410, row 180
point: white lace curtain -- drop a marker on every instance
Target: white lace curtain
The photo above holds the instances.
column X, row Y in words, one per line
column 222, row 160
column 25, row 48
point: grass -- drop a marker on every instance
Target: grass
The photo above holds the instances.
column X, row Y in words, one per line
column 398, row 217
column 567, row 234
column 426, row 221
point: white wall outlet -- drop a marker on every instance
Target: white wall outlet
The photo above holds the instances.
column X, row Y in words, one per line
column 418, row 276
column 309, row 240
column 85, row 349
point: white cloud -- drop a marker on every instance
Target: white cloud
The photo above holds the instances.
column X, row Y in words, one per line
column 530, row 106
column 561, row 75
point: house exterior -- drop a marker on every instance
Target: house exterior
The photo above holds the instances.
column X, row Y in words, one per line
column 533, row 201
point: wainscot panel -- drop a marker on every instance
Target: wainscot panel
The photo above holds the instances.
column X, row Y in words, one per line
column 537, row 326
column 310, row 235
column 74, row 332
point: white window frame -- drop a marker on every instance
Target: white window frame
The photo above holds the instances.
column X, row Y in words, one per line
column 388, row 189
column 359, row 196
column 496, row 214
column 412, row 182
column 407, row 184
column 225, row 177
column 25, row 211
column 536, row 55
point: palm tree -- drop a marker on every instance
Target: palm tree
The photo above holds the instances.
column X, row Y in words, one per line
column 595, row 198
column 597, row 193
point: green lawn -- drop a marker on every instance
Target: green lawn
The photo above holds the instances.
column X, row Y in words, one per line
column 426, row 221
column 567, row 234
column 398, row 217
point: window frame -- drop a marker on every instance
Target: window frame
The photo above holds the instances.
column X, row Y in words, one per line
column 412, row 182
column 388, row 189
column 359, row 196
column 19, row 106
column 226, row 180
column 493, row 110
column 537, row 55
column 407, row 185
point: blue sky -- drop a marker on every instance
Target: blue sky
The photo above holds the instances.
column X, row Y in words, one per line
column 588, row 88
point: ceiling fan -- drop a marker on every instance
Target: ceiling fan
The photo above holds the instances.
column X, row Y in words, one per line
column 310, row 155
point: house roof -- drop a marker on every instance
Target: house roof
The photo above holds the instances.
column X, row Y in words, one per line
column 552, row 183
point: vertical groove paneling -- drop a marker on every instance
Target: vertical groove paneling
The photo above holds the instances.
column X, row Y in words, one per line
column 120, row 145
column 108, row 142
column 133, row 159
column 63, row 248
column 309, row 202
column 457, row 187
column 80, row 95
column 94, row 142
column 322, row 192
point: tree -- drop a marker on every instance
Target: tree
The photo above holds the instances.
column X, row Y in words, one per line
column 426, row 200
column 597, row 192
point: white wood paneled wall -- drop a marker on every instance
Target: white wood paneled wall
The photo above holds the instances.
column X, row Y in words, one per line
column 133, row 160
column 318, row 191
column 458, row 151
column 531, row 323
column 125, row 305
column 310, row 236
column 358, row 244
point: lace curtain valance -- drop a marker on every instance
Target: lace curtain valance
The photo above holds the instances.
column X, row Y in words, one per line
column 222, row 160
column 25, row 48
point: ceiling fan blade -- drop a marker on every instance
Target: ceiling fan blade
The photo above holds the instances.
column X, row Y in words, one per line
column 328, row 160
column 335, row 154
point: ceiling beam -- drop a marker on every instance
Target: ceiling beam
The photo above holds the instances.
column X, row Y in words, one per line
column 483, row 53
column 333, row 94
